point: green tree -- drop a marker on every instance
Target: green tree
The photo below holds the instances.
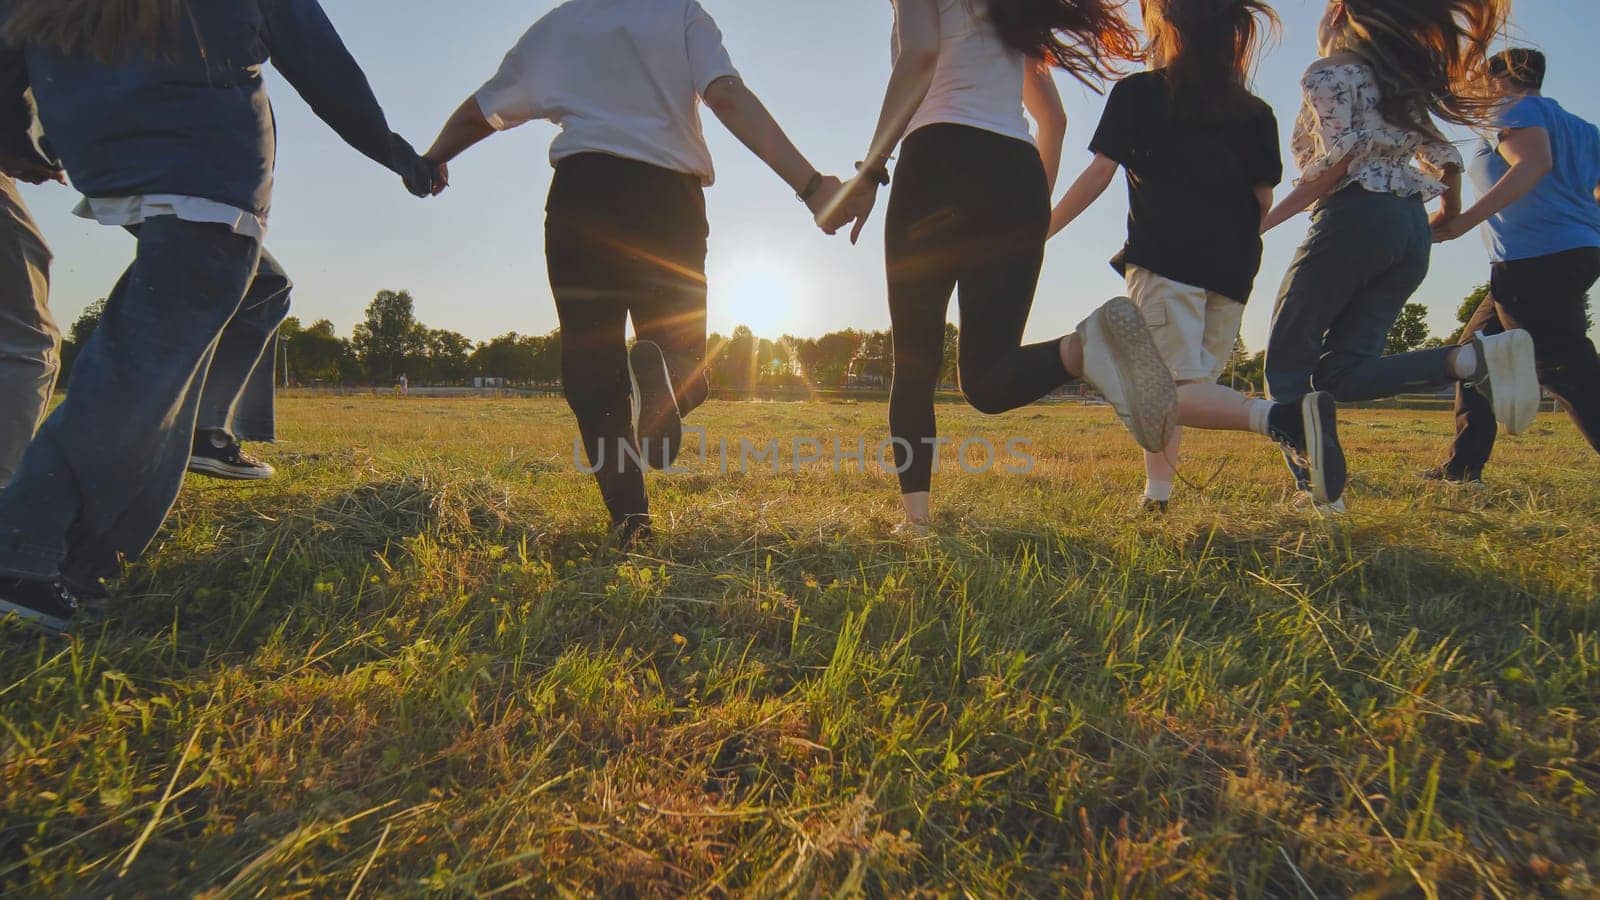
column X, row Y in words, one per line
column 951, row 365
column 82, row 328
column 1469, row 306
column 447, row 357
column 317, row 355
column 1410, row 330
column 1245, row 372
column 389, row 337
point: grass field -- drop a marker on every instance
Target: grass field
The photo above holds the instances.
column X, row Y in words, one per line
column 409, row 666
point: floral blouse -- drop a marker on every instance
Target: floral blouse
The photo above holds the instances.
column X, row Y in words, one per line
column 1341, row 118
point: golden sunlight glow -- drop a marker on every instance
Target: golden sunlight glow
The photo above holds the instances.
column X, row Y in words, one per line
column 763, row 291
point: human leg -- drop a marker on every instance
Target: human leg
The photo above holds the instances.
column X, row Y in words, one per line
column 30, row 343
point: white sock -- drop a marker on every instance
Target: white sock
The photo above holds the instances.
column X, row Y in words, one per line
column 1157, row 490
column 1466, row 362
column 1259, row 412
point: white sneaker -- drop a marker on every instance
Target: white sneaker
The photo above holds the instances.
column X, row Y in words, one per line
column 1121, row 360
column 1508, row 377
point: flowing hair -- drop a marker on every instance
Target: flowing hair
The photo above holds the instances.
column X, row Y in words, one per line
column 1085, row 37
column 1208, row 50
column 109, row 31
column 1429, row 57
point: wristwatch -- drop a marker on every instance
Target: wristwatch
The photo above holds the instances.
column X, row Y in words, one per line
column 879, row 173
column 811, row 188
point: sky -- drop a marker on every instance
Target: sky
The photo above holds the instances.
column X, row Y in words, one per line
column 474, row 259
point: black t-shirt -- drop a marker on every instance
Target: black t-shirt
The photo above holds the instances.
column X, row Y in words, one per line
column 1193, row 215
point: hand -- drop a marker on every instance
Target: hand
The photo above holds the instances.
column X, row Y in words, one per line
column 32, row 171
column 441, row 177
column 853, row 203
column 421, row 177
column 1447, row 228
column 824, row 200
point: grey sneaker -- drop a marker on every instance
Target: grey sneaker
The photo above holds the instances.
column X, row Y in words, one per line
column 1121, row 360
column 1508, row 377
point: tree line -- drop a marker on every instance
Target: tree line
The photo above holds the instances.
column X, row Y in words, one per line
column 390, row 342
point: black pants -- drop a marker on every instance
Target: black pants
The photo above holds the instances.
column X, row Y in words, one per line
column 971, row 209
column 1545, row 297
column 625, row 238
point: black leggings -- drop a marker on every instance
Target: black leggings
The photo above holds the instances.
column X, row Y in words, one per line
column 969, row 208
column 625, row 238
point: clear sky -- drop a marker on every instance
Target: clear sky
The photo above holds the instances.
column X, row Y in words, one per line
column 474, row 257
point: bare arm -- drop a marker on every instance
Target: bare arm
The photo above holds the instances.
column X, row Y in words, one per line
column 1264, row 198
column 1043, row 102
column 738, row 108
column 917, row 32
column 917, row 27
column 1084, row 192
column 465, row 128
column 1528, row 152
column 1306, row 194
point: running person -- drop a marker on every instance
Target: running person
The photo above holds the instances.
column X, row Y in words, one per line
column 1202, row 159
column 159, row 112
column 1388, row 67
column 625, row 233
column 971, row 208
column 1538, row 181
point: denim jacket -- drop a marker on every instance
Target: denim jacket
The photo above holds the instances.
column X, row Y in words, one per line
column 196, row 122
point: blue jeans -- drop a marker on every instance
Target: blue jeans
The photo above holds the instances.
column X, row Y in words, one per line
column 240, row 391
column 1362, row 261
column 99, row 479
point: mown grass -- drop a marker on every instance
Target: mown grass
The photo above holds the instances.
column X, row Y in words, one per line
column 409, row 666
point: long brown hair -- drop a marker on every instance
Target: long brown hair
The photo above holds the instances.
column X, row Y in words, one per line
column 1429, row 57
column 1208, row 50
column 1085, row 37
column 109, row 31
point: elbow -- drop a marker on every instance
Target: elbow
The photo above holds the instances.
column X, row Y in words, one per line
column 920, row 60
column 1053, row 126
column 724, row 97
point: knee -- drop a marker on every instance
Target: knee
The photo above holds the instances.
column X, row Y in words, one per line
column 985, row 399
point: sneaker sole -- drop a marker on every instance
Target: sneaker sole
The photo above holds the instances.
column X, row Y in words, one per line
column 32, row 617
column 1326, row 454
column 1152, row 396
column 657, row 425
column 1513, row 380
column 216, row 469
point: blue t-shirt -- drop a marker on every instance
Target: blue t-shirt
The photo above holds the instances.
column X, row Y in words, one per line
column 1560, row 214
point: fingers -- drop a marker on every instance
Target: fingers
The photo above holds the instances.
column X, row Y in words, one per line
column 855, row 233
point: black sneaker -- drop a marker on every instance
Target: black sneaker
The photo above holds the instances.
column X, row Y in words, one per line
column 1312, row 440
column 46, row 605
column 657, row 423
column 631, row 532
column 228, row 461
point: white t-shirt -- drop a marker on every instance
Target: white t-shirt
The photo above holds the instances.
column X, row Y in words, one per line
column 622, row 77
column 979, row 78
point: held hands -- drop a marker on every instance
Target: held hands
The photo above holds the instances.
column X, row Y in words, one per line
column 839, row 204
column 1447, row 227
column 32, row 171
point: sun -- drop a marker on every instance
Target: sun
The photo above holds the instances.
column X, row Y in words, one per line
column 761, row 291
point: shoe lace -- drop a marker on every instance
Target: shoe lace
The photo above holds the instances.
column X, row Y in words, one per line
column 64, row 596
